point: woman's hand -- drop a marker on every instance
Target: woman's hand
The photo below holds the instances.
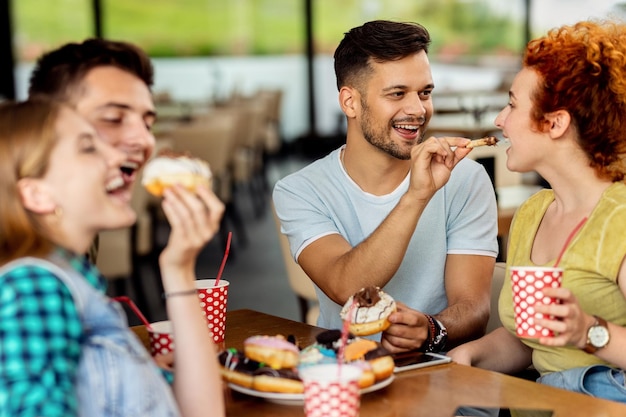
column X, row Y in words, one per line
column 165, row 361
column 194, row 219
column 569, row 322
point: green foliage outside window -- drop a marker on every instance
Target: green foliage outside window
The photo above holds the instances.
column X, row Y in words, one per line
column 257, row 27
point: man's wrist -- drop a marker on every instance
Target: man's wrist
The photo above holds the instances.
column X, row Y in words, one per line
column 437, row 335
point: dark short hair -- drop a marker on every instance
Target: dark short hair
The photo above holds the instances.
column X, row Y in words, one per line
column 58, row 73
column 380, row 41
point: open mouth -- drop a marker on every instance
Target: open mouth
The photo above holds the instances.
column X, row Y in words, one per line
column 406, row 128
column 114, row 184
column 128, row 170
column 408, row 131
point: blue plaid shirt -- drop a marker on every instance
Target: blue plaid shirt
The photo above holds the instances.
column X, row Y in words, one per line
column 40, row 340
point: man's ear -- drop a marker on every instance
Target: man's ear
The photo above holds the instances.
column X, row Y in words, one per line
column 34, row 196
column 558, row 122
column 348, row 100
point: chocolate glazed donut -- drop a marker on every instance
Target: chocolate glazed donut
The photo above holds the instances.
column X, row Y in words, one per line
column 237, row 368
column 277, row 380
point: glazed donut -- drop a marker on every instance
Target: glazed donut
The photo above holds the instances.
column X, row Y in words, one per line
column 331, row 339
column 372, row 307
column 275, row 351
column 170, row 168
column 373, row 353
column 235, row 367
column 317, row 354
column 268, row 379
column 368, row 377
column 381, row 361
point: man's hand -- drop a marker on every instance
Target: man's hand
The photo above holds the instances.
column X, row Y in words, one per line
column 408, row 330
column 432, row 164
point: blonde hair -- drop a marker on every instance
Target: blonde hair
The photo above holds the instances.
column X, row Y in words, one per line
column 27, row 137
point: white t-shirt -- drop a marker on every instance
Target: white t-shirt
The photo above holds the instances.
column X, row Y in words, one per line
column 461, row 218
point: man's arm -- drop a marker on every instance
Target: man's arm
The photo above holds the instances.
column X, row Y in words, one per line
column 468, row 288
column 339, row 269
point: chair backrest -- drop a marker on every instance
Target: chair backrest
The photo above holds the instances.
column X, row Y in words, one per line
column 115, row 253
column 499, row 274
column 208, row 138
column 299, row 281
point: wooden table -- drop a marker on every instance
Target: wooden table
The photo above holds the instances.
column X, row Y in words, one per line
column 432, row 392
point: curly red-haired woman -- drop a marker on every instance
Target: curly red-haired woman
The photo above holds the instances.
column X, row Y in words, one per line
column 566, row 120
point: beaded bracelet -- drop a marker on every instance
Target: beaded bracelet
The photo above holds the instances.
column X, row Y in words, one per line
column 179, row 293
column 432, row 328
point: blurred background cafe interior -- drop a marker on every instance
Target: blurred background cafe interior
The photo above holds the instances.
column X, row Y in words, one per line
column 249, row 86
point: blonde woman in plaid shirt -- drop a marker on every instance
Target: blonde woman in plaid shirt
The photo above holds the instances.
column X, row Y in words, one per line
column 65, row 348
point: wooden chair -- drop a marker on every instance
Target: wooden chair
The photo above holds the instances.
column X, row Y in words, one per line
column 499, row 274
column 299, row 281
column 212, row 138
column 248, row 162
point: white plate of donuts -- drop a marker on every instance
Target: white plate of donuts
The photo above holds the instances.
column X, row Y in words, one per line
column 268, row 366
column 298, row 399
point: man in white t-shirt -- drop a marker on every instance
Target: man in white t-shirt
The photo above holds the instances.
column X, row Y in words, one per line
column 392, row 208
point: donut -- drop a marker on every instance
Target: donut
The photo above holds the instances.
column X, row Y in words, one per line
column 169, row 168
column 373, row 353
column 370, row 312
column 331, row 339
column 381, row 361
column 374, row 360
column 368, row 377
column 274, row 351
column 268, row 379
column 235, row 367
column 316, row 354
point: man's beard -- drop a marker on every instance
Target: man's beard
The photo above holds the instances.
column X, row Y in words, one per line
column 380, row 137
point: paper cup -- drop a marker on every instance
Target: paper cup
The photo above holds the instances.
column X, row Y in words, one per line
column 528, row 284
column 213, row 301
column 331, row 390
column 161, row 339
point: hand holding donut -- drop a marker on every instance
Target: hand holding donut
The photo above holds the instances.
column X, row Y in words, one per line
column 408, row 330
column 192, row 209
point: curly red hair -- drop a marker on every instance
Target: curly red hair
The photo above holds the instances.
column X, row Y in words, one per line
column 582, row 69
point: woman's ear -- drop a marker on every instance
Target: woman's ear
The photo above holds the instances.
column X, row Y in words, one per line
column 34, row 196
column 559, row 122
column 348, row 100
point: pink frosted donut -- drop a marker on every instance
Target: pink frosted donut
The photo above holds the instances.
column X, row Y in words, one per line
column 275, row 351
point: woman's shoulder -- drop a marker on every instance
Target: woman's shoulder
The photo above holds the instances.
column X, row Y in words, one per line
column 616, row 193
column 31, row 276
column 543, row 197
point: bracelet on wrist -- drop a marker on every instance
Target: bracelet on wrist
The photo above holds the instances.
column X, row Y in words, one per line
column 437, row 335
column 428, row 343
column 179, row 293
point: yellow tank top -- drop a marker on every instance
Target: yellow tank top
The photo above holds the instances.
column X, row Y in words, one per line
column 591, row 264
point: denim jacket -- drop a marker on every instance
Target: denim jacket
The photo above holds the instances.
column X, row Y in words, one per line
column 116, row 376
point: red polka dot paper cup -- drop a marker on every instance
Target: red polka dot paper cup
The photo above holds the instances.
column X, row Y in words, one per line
column 331, row 390
column 528, row 284
column 213, row 300
column 161, row 340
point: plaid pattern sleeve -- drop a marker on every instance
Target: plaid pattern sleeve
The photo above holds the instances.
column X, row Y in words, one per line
column 40, row 334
